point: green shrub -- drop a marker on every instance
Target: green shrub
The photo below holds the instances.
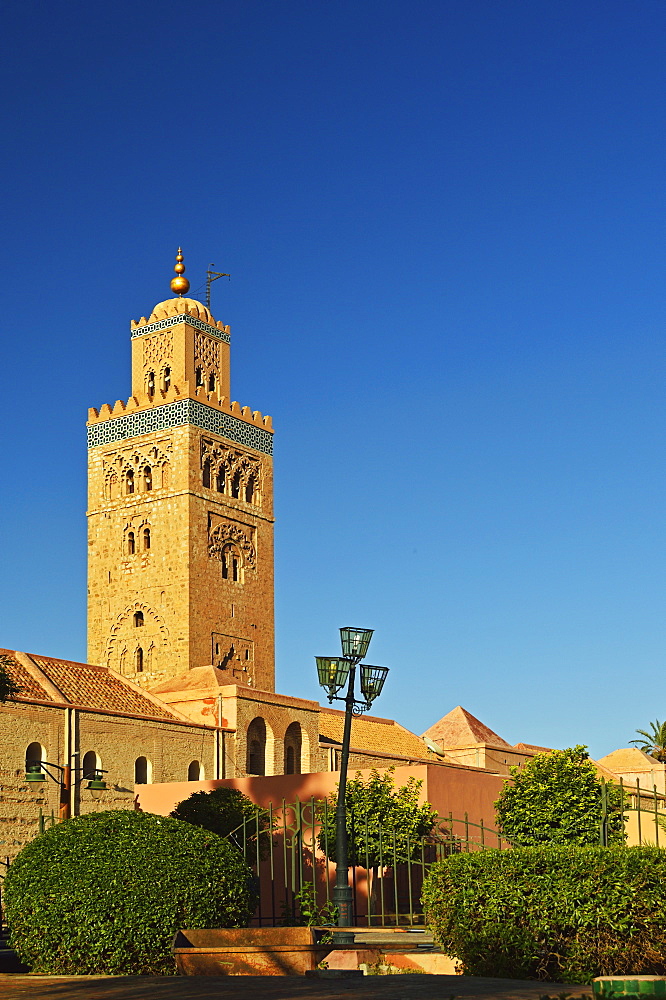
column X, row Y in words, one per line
column 105, row 893
column 223, row 811
column 557, row 913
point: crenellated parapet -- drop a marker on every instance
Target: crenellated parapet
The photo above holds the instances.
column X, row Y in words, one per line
column 142, row 401
column 143, row 414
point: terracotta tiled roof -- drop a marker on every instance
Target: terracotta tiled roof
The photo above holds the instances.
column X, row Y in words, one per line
column 460, row 728
column 89, row 686
column 630, row 759
column 373, row 736
column 28, row 686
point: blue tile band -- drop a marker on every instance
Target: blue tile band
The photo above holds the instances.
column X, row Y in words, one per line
column 170, row 321
column 182, row 411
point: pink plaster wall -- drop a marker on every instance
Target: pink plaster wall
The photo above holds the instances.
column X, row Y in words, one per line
column 450, row 789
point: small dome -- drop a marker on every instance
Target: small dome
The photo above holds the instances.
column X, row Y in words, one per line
column 174, row 307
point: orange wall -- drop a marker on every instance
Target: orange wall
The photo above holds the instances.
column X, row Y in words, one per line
column 449, row 789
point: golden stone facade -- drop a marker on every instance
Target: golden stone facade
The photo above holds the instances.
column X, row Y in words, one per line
column 180, row 513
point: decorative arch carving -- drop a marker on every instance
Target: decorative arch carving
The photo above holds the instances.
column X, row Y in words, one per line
column 238, row 470
column 117, row 465
column 125, row 638
column 206, row 351
column 133, row 536
column 225, row 534
column 157, row 348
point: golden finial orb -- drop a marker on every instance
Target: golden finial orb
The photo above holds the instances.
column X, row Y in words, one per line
column 179, row 284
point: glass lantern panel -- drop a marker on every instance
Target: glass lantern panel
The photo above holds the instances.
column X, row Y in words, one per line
column 355, row 641
column 372, row 681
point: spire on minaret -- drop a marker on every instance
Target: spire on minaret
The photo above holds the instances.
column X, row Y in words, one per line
column 179, row 284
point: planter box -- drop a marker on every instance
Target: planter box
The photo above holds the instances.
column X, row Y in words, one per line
column 248, row 951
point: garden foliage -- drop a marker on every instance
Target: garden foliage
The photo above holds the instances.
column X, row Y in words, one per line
column 380, row 818
column 557, row 913
column 223, row 811
column 555, row 798
column 105, row 893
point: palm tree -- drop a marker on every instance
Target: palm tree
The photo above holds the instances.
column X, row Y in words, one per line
column 653, row 743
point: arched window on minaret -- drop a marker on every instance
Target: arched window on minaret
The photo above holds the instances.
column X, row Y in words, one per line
column 167, row 379
column 150, row 383
column 211, row 382
column 206, row 473
column 146, row 539
column 138, row 619
column 199, row 377
column 129, row 481
column 249, row 490
column 147, row 478
column 236, row 485
column 232, row 564
column 139, row 660
column 111, row 486
column 220, row 479
column 130, row 543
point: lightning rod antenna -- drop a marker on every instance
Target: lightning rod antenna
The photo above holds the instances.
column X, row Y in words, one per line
column 212, row 276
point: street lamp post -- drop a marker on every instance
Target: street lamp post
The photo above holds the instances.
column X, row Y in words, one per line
column 37, row 771
column 334, row 673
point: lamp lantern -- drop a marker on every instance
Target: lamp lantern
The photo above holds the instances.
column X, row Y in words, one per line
column 34, row 774
column 355, row 642
column 372, row 681
column 96, row 785
column 333, row 672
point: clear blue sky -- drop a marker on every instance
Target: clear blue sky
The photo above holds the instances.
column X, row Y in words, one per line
column 445, row 227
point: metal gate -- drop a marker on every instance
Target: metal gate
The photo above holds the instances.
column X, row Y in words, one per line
column 287, row 848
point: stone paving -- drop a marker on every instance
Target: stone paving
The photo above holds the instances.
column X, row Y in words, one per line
column 401, row 987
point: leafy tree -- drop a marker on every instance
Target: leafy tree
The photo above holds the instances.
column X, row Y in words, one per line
column 653, row 743
column 8, row 689
column 380, row 819
column 556, row 798
column 223, row 811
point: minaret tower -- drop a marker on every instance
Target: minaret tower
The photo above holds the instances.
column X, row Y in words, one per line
column 180, row 510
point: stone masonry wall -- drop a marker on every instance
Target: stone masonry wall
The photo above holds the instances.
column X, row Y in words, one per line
column 117, row 741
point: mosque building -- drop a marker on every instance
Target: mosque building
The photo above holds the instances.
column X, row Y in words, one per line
column 180, row 684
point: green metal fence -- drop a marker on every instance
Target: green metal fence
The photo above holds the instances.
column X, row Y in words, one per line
column 288, row 849
column 643, row 813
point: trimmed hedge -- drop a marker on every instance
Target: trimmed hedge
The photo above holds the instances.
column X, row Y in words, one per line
column 105, row 893
column 556, row 913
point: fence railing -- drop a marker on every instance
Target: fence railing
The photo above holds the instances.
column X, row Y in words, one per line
column 643, row 812
column 288, row 848
column 289, row 851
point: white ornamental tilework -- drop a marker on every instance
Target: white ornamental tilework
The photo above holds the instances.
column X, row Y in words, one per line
column 171, row 321
column 182, row 411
